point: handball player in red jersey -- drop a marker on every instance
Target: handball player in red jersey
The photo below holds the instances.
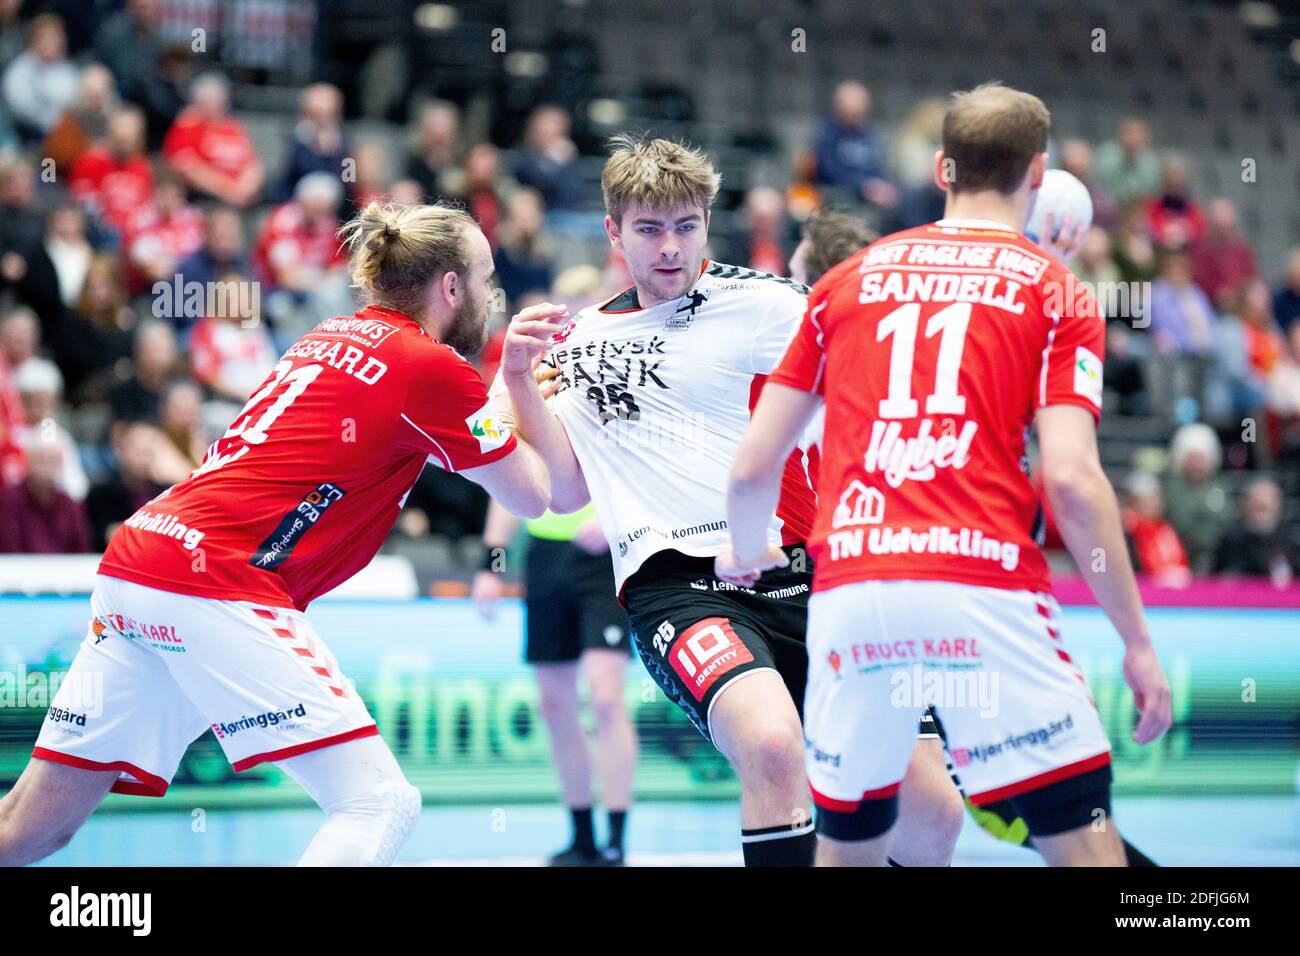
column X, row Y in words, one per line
column 197, row 614
column 934, row 350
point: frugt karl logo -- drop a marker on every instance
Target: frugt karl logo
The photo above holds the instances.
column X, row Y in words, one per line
column 272, row 718
column 919, row 457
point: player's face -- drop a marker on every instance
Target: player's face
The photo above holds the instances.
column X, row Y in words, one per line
column 799, row 263
column 664, row 249
column 467, row 331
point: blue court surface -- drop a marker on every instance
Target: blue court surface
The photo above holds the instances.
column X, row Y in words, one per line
column 1175, row 831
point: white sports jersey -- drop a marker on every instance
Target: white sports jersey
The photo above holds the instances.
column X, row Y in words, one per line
column 655, row 401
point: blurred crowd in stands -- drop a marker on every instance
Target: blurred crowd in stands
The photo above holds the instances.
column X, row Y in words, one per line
column 152, row 268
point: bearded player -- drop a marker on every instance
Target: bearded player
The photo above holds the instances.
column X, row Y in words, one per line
column 657, row 387
column 198, row 606
column 934, row 350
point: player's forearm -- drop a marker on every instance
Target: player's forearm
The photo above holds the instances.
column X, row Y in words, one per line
column 1087, row 516
column 752, row 496
column 543, row 431
column 530, row 497
column 499, row 527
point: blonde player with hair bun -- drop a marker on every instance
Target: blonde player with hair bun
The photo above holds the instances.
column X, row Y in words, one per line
column 197, row 618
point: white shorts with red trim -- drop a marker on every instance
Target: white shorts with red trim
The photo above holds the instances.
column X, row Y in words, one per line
column 1016, row 711
column 157, row 670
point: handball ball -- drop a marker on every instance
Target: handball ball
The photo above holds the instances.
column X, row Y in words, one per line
column 1061, row 194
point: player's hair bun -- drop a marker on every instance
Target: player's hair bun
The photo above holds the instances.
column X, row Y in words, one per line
column 396, row 250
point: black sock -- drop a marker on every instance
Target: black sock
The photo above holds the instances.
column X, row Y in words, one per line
column 790, row 845
column 617, row 819
column 584, row 838
column 1136, row 857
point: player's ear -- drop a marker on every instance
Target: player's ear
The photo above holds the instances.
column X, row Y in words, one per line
column 449, row 287
column 1037, row 169
column 942, row 178
column 612, row 230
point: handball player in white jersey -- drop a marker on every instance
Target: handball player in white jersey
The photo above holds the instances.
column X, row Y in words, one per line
column 656, row 389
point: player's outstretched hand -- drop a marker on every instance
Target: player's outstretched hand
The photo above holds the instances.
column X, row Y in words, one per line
column 1063, row 241
column 1144, row 676
column 486, row 591
column 528, row 337
column 728, row 569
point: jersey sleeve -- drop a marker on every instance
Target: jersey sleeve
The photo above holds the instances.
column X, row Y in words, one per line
column 1073, row 356
column 804, row 364
column 449, row 416
column 776, row 330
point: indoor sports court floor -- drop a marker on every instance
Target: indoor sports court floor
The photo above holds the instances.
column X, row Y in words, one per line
column 1176, row 831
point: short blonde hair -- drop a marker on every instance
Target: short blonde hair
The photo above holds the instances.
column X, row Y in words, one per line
column 991, row 134
column 657, row 173
column 396, row 251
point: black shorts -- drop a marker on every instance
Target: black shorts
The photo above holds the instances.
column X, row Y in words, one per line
column 570, row 603
column 696, row 634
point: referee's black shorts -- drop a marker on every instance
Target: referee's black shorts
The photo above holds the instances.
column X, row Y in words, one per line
column 570, row 603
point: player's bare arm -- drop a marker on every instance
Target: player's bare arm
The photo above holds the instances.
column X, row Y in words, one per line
column 527, row 339
column 1087, row 514
column 520, row 482
column 755, row 483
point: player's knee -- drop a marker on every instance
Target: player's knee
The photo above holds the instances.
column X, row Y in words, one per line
column 556, row 705
column 775, row 756
column 393, row 808
column 943, row 814
column 607, row 707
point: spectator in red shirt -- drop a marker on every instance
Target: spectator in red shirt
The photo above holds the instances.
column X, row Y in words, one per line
column 299, row 242
column 1155, row 545
column 115, row 180
column 160, row 236
column 230, row 354
column 35, row 516
column 20, row 334
column 210, row 148
column 1173, row 217
column 1222, row 261
column 480, row 190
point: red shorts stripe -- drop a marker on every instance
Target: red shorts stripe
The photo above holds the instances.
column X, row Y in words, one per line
column 848, row 806
column 284, row 754
column 1042, row 779
column 150, row 785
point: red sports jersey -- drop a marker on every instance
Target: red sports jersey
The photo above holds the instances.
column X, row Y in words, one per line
column 301, row 491
column 933, row 347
